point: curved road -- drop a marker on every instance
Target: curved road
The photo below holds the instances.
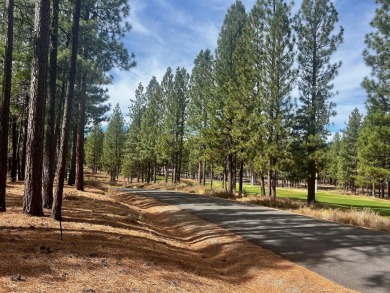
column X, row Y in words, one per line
column 356, row 258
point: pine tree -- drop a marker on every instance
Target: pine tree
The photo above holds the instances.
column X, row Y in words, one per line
column 374, row 145
column 333, row 158
column 269, row 51
column 32, row 201
column 314, row 26
column 94, row 148
column 50, row 139
column 131, row 161
column 347, row 167
column 227, row 89
column 164, row 147
column 149, row 134
column 5, row 101
column 56, row 212
column 113, row 144
column 200, row 95
column 102, row 28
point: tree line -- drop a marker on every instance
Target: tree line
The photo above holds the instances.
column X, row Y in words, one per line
column 55, row 69
column 234, row 114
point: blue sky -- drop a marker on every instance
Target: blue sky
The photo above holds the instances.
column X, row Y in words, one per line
column 172, row 32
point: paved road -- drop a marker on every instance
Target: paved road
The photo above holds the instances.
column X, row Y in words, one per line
column 356, row 258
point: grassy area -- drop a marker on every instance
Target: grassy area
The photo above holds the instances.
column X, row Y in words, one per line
column 381, row 206
column 334, row 200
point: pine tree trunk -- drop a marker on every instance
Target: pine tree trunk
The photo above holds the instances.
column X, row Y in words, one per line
column 232, row 174
column 32, row 201
column 80, row 131
column 166, row 172
column 57, row 201
column 50, row 138
column 81, row 125
column 212, row 176
column 274, row 184
column 225, row 177
column 241, row 178
column 14, row 162
column 200, row 173
column 72, row 169
column 269, row 182
column 311, row 183
column 262, row 179
column 5, row 102
column 204, row 172
column 24, row 148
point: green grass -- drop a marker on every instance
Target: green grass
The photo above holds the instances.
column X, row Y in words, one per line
column 333, row 200
column 381, row 206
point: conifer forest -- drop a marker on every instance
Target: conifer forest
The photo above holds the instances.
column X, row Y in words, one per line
column 233, row 117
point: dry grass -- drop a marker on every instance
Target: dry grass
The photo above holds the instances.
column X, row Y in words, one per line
column 365, row 218
column 125, row 243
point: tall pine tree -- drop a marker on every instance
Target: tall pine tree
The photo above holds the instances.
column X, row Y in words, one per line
column 316, row 42
column 374, row 143
column 227, row 89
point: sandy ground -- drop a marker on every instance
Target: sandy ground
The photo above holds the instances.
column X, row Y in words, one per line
column 122, row 243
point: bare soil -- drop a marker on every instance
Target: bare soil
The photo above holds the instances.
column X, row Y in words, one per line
column 122, row 243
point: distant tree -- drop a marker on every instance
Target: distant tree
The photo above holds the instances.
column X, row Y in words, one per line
column 314, row 26
column 163, row 148
column 374, row 145
column 32, row 201
column 200, row 95
column 175, row 121
column 347, row 167
column 333, row 158
column 131, row 161
column 149, row 134
column 5, row 101
column 114, row 138
column 94, row 148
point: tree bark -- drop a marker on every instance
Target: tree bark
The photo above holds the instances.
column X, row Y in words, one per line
column 72, row 169
column 32, row 201
column 262, row 180
column 14, row 162
column 204, row 172
column 80, row 132
column 81, row 125
column 241, row 178
column 5, row 102
column 24, row 147
column 311, row 183
column 50, row 138
column 200, row 173
column 57, row 201
column 232, row 174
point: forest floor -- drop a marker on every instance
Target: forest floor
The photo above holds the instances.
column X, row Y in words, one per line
column 115, row 242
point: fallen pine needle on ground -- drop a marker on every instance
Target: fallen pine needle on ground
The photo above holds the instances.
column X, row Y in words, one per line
column 124, row 243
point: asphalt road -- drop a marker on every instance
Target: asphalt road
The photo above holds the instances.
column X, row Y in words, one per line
column 356, row 258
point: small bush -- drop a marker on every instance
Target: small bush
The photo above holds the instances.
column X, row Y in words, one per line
column 111, row 191
column 220, row 193
column 93, row 182
column 71, row 195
